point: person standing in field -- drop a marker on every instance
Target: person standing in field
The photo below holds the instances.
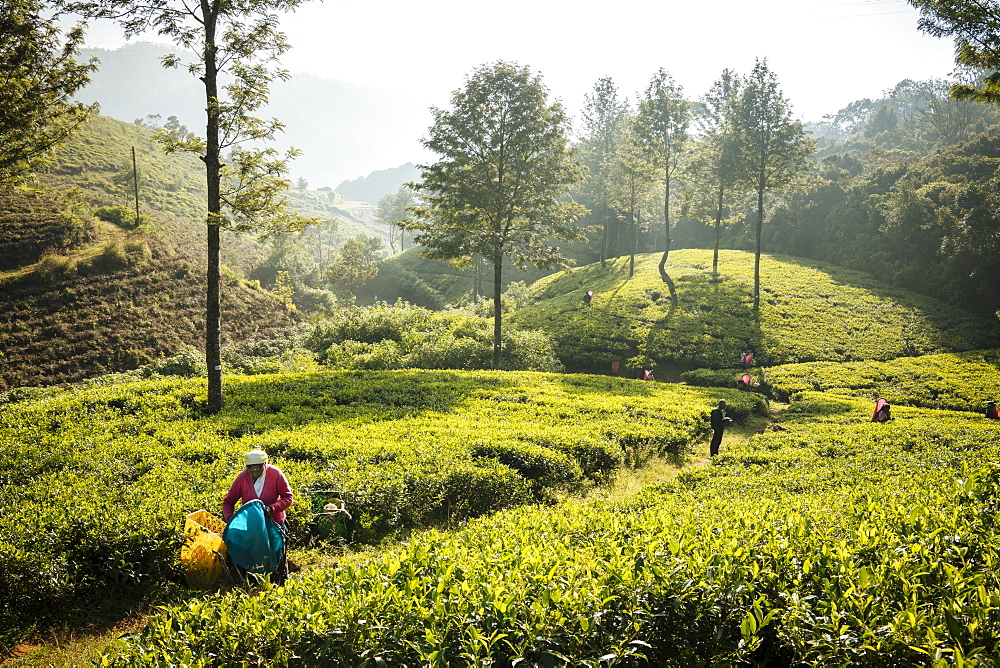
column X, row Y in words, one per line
column 991, row 410
column 718, row 420
column 260, row 480
column 883, row 412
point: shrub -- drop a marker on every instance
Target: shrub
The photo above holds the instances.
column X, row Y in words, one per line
column 114, row 257
column 189, row 362
column 405, row 336
column 713, row 377
column 314, row 299
column 138, row 252
column 121, row 216
column 542, row 466
column 54, row 268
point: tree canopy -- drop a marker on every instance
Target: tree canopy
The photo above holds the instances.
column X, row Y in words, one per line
column 38, row 78
column 975, row 26
column 602, row 116
column 771, row 148
column 662, row 126
column 245, row 186
column 499, row 189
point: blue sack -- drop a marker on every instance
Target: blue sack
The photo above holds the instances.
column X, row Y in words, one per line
column 253, row 541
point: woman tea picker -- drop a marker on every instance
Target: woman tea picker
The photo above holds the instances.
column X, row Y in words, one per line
column 255, row 534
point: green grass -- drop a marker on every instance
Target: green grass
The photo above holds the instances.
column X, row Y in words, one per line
column 809, row 312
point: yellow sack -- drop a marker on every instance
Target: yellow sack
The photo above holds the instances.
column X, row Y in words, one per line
column 203, row 550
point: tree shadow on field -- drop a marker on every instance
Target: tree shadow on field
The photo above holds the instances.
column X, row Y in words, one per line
column 942, row 326
column 712, row 326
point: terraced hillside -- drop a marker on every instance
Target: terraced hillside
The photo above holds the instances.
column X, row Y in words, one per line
column 33, row 223
column 81, row 296
column 87, row 325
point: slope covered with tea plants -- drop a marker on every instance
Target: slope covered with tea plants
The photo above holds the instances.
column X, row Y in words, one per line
column 96, row 479
column 836, row 542
column 954, row 381
column 85, row 290
column 809, row 311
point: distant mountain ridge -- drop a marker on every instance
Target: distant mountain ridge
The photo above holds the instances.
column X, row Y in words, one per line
column 342, row 130
column 376, row 185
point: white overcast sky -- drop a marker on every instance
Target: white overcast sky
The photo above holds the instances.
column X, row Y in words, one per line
column 826, row 53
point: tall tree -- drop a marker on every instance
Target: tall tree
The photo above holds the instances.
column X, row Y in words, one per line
column 663, row 119
column 499, row 189
column 975, row 27
column 632, row 184
column 771, row 148
column 239, row 39
column 716, row 122
column 602, row 115
column 38, row 78
column 354, row 264
column 392, row 210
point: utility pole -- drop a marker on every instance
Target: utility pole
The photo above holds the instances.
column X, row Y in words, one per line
column 135, row 183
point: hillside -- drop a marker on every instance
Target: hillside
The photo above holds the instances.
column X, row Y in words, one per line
column 127, row 307
column 810, row 311
column 332, row 122
column 82, row 295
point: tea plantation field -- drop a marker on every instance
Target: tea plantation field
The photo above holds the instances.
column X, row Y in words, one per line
column 809, row 312
column 95, row 480
column 835, row 542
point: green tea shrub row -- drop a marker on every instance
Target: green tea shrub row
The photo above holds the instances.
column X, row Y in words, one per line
column 954, row 381
column 403, row 336
column 868, row 545
column 96, row 480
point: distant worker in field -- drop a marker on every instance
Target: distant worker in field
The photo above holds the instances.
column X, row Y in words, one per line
column 747, row 360
column 588, row 297
column 991, row 410
column 718, row 419
column 745, row 382
column 882, row 411
column 266, row 482
column 647, row 374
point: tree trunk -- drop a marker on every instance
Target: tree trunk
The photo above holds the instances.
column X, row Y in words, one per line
column 634, row 234
column 213, row 324
column 666, row 245
column 718, row 224
column 477, row 280
column 604, row 235
column 618, row 238
column 497, row 315
column 756, row 260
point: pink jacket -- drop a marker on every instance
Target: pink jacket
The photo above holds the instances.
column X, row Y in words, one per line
column 277, row 495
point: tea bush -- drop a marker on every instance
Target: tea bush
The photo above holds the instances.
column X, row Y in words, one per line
column 955, row 381
column 847, row 543
column 403, row 336
column 96, row 480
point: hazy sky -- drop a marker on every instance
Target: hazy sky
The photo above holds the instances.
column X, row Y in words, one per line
column 825, row 53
